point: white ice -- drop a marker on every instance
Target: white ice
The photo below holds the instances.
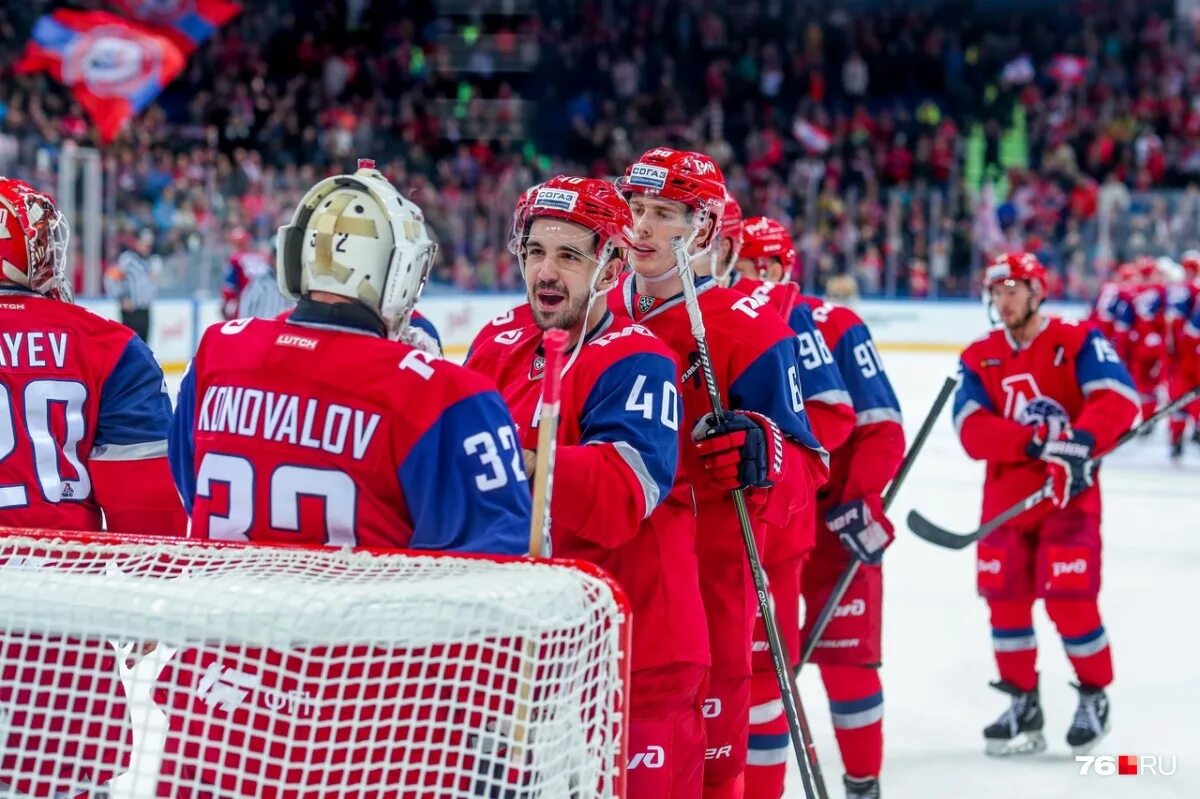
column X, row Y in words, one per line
column 937, row 646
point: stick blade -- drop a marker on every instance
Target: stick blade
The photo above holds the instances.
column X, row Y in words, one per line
column 923, row 528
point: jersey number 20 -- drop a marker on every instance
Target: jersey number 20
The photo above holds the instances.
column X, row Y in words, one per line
column 40, row 396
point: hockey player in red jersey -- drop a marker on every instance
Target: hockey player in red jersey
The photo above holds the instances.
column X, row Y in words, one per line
column 764, row 440
column 1037, row 400
column 617, row 502
column 862, row 429
column 1182, row 296
column 323, row 430
column 1143, row 324
column 83, row 416
column 765, row 247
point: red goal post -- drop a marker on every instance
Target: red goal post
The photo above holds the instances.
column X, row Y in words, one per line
column 173, row 667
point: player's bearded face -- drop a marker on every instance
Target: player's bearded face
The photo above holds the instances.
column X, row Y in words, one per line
column 655, row 223
column 1014, row 302
column 559, row 263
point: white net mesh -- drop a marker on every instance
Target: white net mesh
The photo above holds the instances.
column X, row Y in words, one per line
column 274, row 672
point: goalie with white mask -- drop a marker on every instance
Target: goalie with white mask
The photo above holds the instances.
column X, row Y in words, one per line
column 322, row 429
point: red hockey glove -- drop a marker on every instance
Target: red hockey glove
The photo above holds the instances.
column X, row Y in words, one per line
column 1069, row 465
column 739, row 449
column 864, row 533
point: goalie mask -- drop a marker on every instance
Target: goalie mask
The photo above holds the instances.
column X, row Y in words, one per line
column 355, row 236
column 33, row 240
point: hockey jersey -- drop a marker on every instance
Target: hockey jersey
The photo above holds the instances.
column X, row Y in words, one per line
column 868, row 459
column 1142, row 319
column 303, row 432
column 756, row 364
column 84, row 413
column 1067, row 373
column 513, row 319
column 826, row 398
column 1108, row 308
column 617, row 501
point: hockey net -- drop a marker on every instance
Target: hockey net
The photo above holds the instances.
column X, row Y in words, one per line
column 141, row 668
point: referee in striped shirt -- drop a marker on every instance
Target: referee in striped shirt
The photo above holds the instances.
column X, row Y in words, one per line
column 130, row 284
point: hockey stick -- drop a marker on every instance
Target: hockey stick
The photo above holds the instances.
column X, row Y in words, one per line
column 801, row 735
column 843, row 583
column 951, row 540
column 554, row 343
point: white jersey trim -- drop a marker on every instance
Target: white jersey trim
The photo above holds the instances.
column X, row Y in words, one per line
column 832, row 397
column 1112, row 385
column 970, row 407
column 130, row 452
column 876, row 415
column 633, row 459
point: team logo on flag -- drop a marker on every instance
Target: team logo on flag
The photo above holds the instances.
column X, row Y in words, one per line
column 110, row 63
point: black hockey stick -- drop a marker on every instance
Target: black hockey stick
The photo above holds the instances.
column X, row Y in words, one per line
column 843, row 583
column 951, row 540
column 798, row 729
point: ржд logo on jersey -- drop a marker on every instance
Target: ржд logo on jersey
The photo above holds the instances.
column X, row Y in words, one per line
column 228, row 689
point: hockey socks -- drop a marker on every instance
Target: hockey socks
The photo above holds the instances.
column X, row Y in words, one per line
column 856, row 703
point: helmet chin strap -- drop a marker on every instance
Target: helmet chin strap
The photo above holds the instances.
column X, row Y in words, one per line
column 723, row 272
column 606, row 253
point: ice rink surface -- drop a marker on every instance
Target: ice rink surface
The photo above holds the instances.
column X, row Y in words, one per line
column 937, row 644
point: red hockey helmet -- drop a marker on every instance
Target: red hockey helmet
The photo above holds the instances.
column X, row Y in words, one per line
column 239, row 237
column 33, row 249
column 1147, row 268
column 1126, row 273
column 1190, row 261
column 687, row 177
column 764, row 238
column 589, row 202
column 1016, row 266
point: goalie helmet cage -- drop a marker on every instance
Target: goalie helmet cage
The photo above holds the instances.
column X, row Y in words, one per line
column 280, row 672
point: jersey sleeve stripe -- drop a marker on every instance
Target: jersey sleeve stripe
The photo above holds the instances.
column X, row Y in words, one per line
column 1190, row 329
column 1113, row 385
column 969, row 407
column 876, row 415
column 130, row 452
column 832, row 397
column 633, row 459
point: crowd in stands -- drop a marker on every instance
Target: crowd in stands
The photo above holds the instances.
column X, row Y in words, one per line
column 903, row 142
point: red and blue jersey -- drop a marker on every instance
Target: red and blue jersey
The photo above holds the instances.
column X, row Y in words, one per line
column 1142, row 317
column 272, row 441
column 617, row 501
column 512, row 319
column 755, row 360
column 84, row 413
column 826, row 398
column 1067, row 373
column 868, row 460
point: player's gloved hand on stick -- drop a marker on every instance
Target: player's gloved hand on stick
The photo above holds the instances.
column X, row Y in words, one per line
column 739, row 449
column 1068, row 456
column 862, row 529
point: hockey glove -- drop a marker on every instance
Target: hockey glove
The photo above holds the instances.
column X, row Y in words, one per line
column 862, row 532
column 739, row 449
column 1069, row 465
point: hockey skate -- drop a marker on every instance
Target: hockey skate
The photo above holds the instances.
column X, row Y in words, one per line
column 1091, row 719
column 1018, row 731
column 861, row 789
